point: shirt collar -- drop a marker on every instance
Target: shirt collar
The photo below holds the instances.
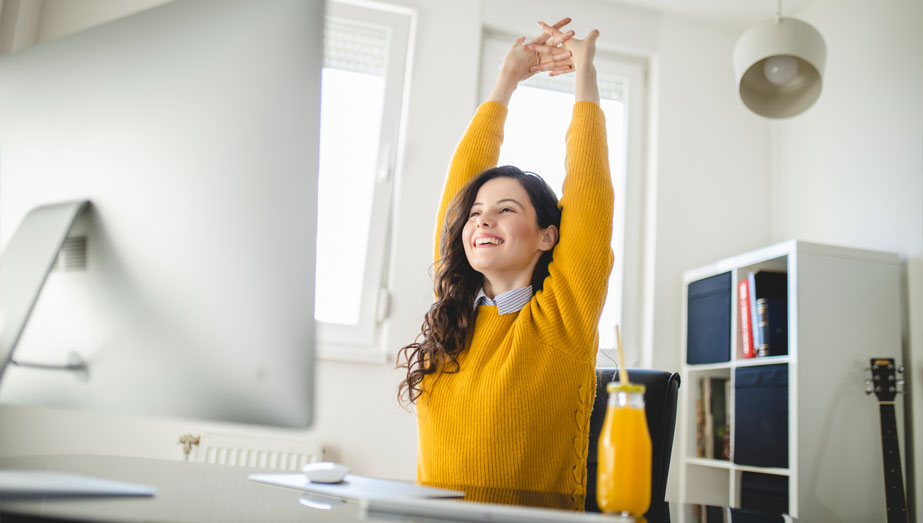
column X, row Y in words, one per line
column 506, row 302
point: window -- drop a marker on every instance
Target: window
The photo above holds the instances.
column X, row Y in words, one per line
column 365, row 56
column 534, row 141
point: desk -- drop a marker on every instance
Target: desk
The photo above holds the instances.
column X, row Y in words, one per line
column 195, row 492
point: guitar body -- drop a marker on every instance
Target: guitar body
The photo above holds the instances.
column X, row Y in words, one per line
column 884, row 384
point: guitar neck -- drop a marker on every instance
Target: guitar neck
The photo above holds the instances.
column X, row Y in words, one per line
column 894, row 478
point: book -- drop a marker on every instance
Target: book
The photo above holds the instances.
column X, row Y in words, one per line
column 726, row 443
column 713, row 418
column 774, row 326
column 771, row 327
column 762, row 314
column 700, row 421
column 743, row 315
column 709, row 420
column 754, row 318
column 719, row 416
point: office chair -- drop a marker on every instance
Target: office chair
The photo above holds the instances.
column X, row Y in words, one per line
column 660, row 393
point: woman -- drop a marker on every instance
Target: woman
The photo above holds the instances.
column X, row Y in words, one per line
column 503, row 370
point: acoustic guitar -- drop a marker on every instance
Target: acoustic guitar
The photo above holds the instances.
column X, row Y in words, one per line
column 884, row 385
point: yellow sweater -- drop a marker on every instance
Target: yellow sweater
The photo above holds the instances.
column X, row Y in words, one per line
column 516, row 414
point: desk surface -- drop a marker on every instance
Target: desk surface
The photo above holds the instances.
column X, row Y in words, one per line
column 194, row 492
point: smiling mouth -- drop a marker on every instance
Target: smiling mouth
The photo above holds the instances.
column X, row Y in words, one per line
column 487, row 242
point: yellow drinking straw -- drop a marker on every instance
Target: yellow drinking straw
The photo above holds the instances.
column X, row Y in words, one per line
column 623, row 372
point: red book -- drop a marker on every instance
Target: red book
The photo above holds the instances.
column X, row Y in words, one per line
column 743, row 318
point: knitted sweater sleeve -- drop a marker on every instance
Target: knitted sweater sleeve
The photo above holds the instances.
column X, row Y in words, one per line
column 574, row 293
column 478, row 150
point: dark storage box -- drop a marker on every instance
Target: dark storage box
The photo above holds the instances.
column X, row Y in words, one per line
column 708, row 324
column 766, row 492
column 761, row 416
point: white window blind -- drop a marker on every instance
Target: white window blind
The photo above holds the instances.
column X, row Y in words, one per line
column 609, row 88
column 353, row 46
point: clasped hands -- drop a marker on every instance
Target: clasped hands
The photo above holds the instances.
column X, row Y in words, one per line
column 554, row 51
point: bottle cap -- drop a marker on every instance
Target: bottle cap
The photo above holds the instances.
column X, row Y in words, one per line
column 617, row 386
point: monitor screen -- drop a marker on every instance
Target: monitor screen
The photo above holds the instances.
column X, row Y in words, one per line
column 187, row 283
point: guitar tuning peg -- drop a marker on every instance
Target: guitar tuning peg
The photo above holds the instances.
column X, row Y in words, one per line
column 900, row 369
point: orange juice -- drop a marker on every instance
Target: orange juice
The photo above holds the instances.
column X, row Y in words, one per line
column 624, row 474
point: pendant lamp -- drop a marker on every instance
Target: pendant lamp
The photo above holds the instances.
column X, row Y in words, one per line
column 779, row 66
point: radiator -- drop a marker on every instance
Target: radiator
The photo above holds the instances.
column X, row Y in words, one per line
column 282, row 454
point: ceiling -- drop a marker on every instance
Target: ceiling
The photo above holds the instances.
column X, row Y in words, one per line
column 729, row 12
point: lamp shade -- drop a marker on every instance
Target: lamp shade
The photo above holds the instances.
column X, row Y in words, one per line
column 779, row 67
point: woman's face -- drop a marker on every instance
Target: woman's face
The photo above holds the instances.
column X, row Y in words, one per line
column 502, row 237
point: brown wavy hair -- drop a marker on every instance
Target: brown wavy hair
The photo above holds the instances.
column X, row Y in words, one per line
column 449, row 322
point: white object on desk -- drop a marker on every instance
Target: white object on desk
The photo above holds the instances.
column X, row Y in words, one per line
column 357, row 487
column 325, row 472
column 36, row 483
column 455, row 510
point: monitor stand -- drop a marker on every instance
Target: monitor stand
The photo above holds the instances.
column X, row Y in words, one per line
column 25, row 265
column 27, row 260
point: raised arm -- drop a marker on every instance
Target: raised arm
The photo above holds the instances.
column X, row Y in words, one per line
column 587, row 90
column 479, row 148
column 583, row 257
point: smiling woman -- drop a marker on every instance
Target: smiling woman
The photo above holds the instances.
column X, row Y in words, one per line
column 502, row 373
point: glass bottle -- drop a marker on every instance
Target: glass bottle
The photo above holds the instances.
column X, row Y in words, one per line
column 624, row 471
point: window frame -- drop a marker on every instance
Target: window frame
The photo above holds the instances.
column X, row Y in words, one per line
column 357, row 342
column 631, row 206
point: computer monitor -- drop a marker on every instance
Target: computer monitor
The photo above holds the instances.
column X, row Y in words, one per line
column 192, row 130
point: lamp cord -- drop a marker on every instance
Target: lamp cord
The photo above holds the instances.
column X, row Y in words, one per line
column 778, row 10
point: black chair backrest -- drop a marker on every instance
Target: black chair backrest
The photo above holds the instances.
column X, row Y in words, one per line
column 660, row 393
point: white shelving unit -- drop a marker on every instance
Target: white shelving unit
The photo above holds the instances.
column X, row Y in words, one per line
column 844, row 308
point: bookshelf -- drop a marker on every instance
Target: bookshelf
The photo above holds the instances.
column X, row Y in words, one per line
column 843, row 308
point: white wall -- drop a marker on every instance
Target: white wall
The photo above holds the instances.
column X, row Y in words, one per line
column 63, row 17
column 850, row 170
column 713, row 168
column 20, row 21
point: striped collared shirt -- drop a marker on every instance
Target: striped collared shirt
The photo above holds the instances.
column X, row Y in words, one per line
column 506, row 302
